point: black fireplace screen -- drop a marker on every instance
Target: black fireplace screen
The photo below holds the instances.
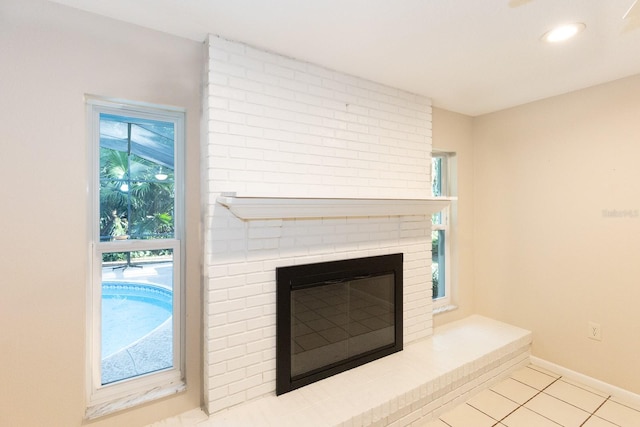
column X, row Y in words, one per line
column 337, row 315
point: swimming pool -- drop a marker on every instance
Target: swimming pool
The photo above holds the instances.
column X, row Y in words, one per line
column 131, row 311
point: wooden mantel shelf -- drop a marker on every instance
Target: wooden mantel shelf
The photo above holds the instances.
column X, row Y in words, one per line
column 254, row 208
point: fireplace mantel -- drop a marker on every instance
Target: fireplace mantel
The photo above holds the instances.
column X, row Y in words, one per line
column 256, row 208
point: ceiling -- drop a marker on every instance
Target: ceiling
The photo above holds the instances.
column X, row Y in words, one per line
column 468, row 56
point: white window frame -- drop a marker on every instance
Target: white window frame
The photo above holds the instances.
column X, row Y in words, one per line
column 447, row 169
column 108, row 398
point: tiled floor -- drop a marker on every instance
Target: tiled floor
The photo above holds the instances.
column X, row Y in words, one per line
column 535, row 397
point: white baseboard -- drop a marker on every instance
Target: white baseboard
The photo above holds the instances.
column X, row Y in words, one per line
column 617, row 393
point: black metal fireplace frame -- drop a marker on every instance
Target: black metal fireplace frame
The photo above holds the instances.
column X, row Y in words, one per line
column 300, row 276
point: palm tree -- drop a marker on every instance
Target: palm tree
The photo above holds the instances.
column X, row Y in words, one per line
column 132, row 199
column 113, row 201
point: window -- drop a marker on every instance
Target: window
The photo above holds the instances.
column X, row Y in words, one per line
column 440, row 232
column 136, row 246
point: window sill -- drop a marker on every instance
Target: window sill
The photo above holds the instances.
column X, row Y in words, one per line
column 444, row 309
column 126, row 402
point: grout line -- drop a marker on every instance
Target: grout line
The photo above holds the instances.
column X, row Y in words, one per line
column 444, row 422
column 531, row 398
column 585, row 387
column 538, row 391
column 593, row 414
column 547, row 373
column 633, row 408
column 575, row 406
column 482, row 412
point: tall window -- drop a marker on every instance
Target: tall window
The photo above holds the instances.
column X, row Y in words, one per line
column 137, row 231
column 440, row 231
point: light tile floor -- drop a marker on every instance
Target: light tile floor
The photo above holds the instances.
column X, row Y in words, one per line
column 535, row 397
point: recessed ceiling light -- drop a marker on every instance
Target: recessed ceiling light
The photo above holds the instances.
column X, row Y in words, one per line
column 563, row 32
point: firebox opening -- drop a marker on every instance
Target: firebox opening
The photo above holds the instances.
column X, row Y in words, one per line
column 334, row 316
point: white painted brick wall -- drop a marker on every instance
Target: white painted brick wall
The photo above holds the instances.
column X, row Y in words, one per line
column 281, row 127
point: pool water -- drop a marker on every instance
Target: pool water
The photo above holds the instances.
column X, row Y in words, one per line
column 130, row 311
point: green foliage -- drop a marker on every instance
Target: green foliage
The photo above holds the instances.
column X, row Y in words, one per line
column 132, row 201
column 434, row 283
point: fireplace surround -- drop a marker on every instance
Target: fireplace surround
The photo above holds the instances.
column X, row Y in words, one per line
column 325, row 166
column 334, row 316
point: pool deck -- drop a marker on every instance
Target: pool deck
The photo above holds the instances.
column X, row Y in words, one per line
column 160, row 273
column 146, row 355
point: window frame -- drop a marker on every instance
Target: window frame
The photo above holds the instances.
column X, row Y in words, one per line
column 122, row 394
column 446, row 188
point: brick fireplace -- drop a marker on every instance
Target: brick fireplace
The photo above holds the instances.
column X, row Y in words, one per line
column 277, row 127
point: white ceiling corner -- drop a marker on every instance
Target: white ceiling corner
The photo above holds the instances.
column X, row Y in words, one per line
column 468, row 56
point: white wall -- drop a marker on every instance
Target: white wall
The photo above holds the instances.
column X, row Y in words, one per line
column 51, row 57
column 285, row 128
column 547, row 257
